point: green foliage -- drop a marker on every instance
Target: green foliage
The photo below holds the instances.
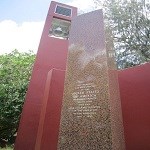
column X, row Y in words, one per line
column 15, row 71
column 129, row 21
column 7, row 148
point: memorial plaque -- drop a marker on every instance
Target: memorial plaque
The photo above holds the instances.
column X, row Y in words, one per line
column 91, row 113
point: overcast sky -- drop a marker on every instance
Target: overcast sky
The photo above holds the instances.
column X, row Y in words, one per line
column 22, row 21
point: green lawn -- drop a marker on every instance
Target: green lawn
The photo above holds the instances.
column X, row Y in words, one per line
column 7, row 148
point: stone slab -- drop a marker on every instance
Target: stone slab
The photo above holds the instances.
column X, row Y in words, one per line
column 89, row 119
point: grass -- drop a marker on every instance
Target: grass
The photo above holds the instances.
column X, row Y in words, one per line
column 7, row 148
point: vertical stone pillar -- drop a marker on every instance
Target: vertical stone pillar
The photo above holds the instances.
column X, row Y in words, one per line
column 91, row 117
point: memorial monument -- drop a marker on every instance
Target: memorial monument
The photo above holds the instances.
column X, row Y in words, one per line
column 91, row 117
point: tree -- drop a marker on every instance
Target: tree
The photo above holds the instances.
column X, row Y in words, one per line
column 129, row 21
column 15, row 71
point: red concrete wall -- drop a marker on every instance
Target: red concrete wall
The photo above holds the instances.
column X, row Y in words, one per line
column 135, row 97
column 48, row 130
column 52, row 53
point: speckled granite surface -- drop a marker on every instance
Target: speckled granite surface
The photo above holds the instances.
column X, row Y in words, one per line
column 91, row 113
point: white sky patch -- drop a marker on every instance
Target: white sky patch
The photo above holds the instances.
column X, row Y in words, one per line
column 83, row 5
column 22, row 37
column 26, row 36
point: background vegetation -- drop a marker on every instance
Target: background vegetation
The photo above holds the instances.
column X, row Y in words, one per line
column 15, row 71
column 129, row 21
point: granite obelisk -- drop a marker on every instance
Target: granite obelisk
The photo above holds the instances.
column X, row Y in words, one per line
column 91, row 117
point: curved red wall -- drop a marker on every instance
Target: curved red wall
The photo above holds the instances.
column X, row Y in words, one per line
column 135, row 96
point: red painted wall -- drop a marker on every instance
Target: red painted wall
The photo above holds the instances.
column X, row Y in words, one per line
column 135, row 97
column 48, row 130
column 52, row 53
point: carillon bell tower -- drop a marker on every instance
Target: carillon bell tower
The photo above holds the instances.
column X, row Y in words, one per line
column 36, row 123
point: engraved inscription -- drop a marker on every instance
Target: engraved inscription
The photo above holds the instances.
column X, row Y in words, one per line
column 84, row 94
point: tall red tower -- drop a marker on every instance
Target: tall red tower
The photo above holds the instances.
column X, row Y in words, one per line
column 48, row 69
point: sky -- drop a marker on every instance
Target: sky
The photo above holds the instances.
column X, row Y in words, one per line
column 22, row 22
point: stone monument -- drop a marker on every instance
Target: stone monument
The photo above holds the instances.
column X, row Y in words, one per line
column 91, row 117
